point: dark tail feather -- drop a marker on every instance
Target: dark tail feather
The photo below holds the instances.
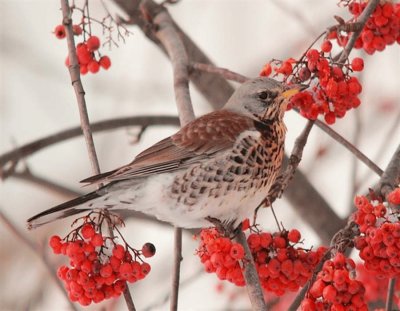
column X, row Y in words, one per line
column 97, row 178
column 63, row 210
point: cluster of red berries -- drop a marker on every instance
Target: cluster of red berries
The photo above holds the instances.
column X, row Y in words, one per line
column 93, row 274
column 280, row 265
column 378, row 242
column 375, row 288
column 334, row 90
column 381, row 29
column 221, row 256
column 335, row 289
column 85, row 51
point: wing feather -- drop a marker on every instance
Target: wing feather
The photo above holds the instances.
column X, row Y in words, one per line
column 210, row 134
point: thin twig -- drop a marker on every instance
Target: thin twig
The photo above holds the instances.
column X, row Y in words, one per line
column 226, row 73
column 166, row 33
column 78, row 87
column 9, row 159
column 382, row 148
column 349, row 146
column 390, row 294
column 38, row 251
column 83, row 114
column 253, row 287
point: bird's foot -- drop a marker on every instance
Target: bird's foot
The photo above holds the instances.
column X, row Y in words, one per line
column 225, row 228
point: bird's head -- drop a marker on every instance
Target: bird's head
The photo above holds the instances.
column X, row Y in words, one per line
column 262, row 99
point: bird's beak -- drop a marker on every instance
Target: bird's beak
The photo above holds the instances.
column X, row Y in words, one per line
column 294, row 89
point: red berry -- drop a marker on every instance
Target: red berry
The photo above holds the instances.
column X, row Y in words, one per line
column 77, row 30
column 237, row 251
column 148, row 250
column 87, row 231
column 105, row 62
column 97, row 240
column 294, row 236
column 93, row 43
column 326, row 46
column 357, row 64
column 59, row 31
column 330, row 118
column 93, row 66
column 394, row 197
column 266, row 71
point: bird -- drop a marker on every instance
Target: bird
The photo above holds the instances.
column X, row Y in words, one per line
column 219, row 166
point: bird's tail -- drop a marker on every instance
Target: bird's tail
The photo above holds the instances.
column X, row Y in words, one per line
column 63, row 210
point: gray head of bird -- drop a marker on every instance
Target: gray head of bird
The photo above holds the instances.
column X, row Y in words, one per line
column 262, row 99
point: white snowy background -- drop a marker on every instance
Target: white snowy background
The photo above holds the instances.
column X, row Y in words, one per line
column 37, row 99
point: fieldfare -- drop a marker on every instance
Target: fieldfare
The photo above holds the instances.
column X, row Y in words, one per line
column 219, row 166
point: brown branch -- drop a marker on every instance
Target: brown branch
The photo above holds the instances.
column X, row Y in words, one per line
column 349, row 146
column 382, row 147
column 362, row 20
column 9, row 159
column 343, row 239
column 166, row 33
column 213, row 87
column 391, row 176
column 39, row 252
column 74, row 72
column 390, row 294
column 283, row 180
column 253, row 287
column 223, row 72
column 78, row 87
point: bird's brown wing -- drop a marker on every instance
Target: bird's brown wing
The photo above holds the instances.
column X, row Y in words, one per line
column 205, row 136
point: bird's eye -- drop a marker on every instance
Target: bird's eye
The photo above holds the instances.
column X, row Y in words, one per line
column 263, row 95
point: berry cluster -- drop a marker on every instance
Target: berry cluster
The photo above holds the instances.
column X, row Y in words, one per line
column 221, row 256
column 280, row 265
column 94, row 274
column 375, row 288
column 85, row 51
column 378, row 241
column 334, row 90
column 335, row 289
column 381, row 29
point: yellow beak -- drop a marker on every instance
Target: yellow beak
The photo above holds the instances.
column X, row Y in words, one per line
column 294, row 89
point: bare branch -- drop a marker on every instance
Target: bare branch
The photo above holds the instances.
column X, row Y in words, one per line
column 83, row 114
column 166, row 33
column 390, row 294
column 215, row 88
column 349, row 146
column 391, row 176
column 253, row 287
column 9, row 159
column 223, row 72
column 78, row 87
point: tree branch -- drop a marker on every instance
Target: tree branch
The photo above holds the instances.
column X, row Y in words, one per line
column 213, row 87
column 253, row 287
column 166, row 33
column 390, row 294
column 74, row 72
column 9, row 159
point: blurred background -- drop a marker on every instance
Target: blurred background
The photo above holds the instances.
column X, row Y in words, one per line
column 36, row 100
